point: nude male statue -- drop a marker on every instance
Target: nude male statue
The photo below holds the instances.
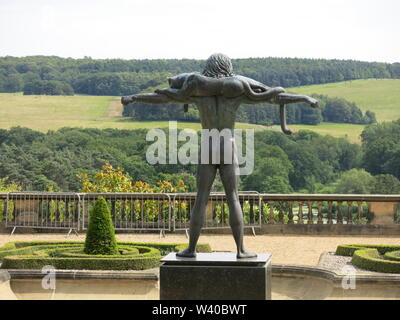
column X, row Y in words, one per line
column 217, row 110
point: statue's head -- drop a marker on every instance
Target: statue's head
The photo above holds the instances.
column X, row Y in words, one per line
column 176, row 82
column 218, row 65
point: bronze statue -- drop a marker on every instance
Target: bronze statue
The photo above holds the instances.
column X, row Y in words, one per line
column 218, row 93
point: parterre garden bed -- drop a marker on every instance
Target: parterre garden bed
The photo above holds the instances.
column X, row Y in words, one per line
column 379, row 258
column 70, row 255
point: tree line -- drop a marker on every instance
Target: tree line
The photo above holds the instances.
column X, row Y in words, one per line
column 304, row 162
column 121, row 77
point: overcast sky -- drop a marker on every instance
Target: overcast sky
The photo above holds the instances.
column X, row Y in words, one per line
column 366, row 30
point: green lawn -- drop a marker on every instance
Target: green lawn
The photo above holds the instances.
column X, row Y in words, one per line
column 45, row 113
column 51, row 112
column 340, row 130
column 381, row 96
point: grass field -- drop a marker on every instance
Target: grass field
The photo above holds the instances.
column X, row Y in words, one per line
column 381, row 96
column 340, row 130
column 45, row 113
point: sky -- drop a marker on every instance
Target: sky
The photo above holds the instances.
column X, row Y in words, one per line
column 366, row 30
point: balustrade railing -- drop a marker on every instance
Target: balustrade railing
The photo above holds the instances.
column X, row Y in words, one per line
column 319, row 209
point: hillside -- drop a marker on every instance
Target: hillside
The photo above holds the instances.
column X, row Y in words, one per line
column 381, row 96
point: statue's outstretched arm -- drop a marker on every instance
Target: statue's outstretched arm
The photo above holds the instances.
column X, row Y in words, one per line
column 153, row 98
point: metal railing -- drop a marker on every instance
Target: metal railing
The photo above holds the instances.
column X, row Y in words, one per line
column 171, row 211
column 50, row 210
column 132, row 211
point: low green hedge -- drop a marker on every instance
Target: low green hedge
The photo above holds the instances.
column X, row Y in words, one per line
column 392, row 255
column 69, row 255
column 166, row 248
column 35, row 262
column 77, row 252
column 201, row 247
column 349, row 249
column 14, row 248
column 370, row 259
column 379, row 258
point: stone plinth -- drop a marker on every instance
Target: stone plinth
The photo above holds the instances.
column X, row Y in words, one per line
column 215, row 276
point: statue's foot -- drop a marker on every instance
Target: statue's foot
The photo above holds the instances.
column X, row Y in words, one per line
column 245, row 254
column 186, row 253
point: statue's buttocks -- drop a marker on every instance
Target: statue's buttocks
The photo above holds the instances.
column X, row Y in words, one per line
column 217, row 112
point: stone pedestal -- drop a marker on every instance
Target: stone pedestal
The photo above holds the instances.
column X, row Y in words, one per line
column 215, row 276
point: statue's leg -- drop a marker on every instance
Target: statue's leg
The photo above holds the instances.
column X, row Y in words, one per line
column 230, row 181
column 205, row 178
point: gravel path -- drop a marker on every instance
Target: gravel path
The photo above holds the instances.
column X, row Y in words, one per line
column 285, row 249
column 336, row 263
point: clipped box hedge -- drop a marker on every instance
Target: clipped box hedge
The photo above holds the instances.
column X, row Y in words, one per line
column 349, row 249
column 392, row 255
column 141, row 262
column 379, row 258
column 70, row 255
column 370, row 259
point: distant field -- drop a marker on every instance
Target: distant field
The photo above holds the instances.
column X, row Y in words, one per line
column 381, row 96
column 50, row 112
column 340, row 130
column 45, row 113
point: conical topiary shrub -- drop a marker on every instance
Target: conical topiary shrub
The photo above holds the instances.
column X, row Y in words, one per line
column 100, row 237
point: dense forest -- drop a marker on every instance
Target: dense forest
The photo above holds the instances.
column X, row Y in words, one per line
column 55, row 75
column 331, row 110
column 305, row 162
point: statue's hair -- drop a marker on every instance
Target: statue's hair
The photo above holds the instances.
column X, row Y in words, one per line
column 218, row 65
